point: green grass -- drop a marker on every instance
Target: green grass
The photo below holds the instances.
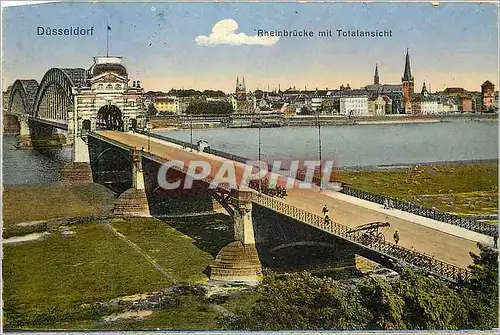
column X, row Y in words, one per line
column 46, row 282
column 60, row 273
column 191, row 314
column 31, row 203
column 174, row 251
column 467, row 189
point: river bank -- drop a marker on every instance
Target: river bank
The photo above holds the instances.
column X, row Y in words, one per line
column 245, row 121
column 462, row 188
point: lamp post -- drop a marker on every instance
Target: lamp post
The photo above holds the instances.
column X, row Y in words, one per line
column 260, row 179
column 319, row 150
column 191, row 132
column 148, row 126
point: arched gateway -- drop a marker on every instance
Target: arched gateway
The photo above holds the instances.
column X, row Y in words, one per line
column 109, row 117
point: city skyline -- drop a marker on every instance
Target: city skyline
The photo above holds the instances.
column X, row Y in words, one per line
column 206, row 45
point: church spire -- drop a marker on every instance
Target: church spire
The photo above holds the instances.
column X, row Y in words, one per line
column 407, row 74
column 376, row 80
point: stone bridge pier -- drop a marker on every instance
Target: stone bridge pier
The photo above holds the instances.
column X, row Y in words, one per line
column 24, row 139
column 134, row 202
column 79, row 170
column 33, row 134
column 239, row 260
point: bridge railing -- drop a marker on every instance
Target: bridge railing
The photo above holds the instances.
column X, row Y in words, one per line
column 464, row 222
column 168, row 139
column 406, row 256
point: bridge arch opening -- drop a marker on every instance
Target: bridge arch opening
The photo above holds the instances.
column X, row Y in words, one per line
column 109, row 117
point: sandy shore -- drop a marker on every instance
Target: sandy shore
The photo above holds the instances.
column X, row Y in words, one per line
column 398, row 121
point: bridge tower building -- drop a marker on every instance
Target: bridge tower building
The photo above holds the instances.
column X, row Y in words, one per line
column 103, row 101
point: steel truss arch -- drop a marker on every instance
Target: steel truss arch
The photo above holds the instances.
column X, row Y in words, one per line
column 63, row 82
column 26, row 89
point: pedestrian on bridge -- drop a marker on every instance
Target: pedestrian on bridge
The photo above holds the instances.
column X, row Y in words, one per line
column 396, row 237
column 325, row 210
column 386, row 203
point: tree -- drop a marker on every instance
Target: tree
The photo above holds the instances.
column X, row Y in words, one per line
column 386, row 305
column 202, row 107
column 152, row 109
column 303, row 301
column 481, row 293
column 429, row 303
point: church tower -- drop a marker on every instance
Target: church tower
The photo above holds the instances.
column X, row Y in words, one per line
column 376, row 80
column 424, row 91
column 407, row 82
column 240, row 87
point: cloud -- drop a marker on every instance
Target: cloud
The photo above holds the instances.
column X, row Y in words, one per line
column 223, row 32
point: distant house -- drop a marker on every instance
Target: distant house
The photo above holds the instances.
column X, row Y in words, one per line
column 488, row 96
column 168, row 105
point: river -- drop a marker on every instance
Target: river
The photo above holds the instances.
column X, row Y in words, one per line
column 357, row 145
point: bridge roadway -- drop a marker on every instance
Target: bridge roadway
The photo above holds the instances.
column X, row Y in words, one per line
column 433, row 242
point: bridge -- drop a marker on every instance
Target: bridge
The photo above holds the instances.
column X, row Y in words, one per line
column 421, row 247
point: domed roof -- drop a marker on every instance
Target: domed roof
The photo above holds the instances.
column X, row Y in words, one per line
column 107, row 64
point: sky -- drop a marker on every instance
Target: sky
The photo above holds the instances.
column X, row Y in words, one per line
column 206, row 45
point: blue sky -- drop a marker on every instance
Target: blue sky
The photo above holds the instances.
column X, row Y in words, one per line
column 453, row 44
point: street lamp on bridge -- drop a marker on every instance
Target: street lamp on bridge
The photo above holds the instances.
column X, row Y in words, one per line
column 191, row 132
column 148, row 126
column 319, row 150
column 260, row 179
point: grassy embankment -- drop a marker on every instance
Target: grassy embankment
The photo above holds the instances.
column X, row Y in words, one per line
column 464, row 189
column 31, row 203
column 55, row 283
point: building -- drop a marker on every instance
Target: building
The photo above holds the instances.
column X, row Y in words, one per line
column 393, row 92
column 106, row 99
column 466, row 103
column 354, row 103
column 449, row 105
column 461, row 96
column 376, row 105
column 167, row 105
column 243, row 102
column 408, row 86
column 487, row 96
column 425, row 103
column 379, row 105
